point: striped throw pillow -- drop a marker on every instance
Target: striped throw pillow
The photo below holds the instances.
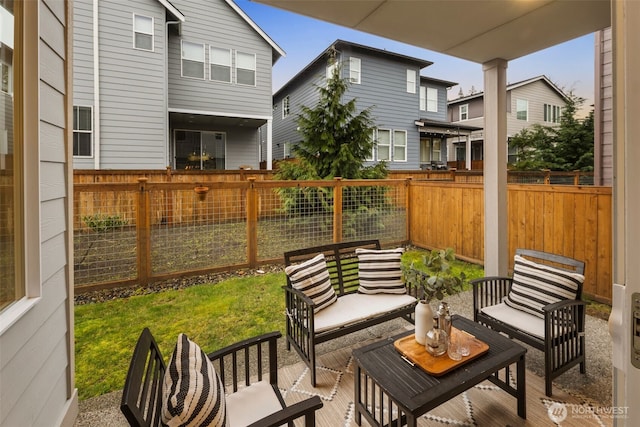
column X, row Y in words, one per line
column 312, row 278
column 536, row 285
column 192, row 391
column 380, row 271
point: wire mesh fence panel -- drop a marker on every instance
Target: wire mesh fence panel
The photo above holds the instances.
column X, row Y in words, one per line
column 292, row 218
column 104, row 236
column 374, row 212
column 192, row 231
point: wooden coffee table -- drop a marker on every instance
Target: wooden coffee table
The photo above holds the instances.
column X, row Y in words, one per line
column 387, row 387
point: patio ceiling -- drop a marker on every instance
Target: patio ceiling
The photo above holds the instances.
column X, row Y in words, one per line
column 474, row 30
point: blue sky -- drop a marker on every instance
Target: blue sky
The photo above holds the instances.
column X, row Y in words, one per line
column 569, row 65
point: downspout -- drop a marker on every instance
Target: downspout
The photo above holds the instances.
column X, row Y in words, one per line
column 96, row 88
column 166, row 93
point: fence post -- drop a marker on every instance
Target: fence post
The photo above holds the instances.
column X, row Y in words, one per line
column 407, row 205
column 144, row 233
column 252, row 223
column 547, row 176
column 576, row 177
column 337, row 210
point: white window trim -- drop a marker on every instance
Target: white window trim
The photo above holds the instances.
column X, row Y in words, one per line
column 372, row 154
column 255, row 69
column 153, row 37
column 355, row 64
column 393, row 150
column 390, row 144
column 182, row 58
column 212, row 63
column 460, row 108
column 286, row 147
column 432, row 99
column 10, row 77
column 411, row 81
column 329, row 70
column 31, row 224
column 423, row 98
column 84, row 131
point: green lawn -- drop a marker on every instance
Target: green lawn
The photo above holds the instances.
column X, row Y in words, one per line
column 212, row 315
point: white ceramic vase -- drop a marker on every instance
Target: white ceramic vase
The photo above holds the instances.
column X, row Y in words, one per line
column 424, row 320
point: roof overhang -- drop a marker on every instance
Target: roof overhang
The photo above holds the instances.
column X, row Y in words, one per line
column 172, row 10
column 447, row 129
column 477, row 31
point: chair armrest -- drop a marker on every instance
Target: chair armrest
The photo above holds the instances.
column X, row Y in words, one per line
column 299, row 308
column 488, row 291
column 270, row 337
column 298, row 295
column 562, row 304
column 239, row 362
column 306, row 409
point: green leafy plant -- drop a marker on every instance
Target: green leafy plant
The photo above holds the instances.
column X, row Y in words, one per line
column 101, row 223
column 438, row 281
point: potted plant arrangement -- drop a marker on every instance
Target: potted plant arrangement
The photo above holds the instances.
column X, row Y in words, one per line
column 435, row 282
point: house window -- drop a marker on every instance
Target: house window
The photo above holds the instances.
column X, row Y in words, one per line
column 372, row 155
column 411, row 81
column 399, row 146
column 552, row 113
column 354, row 70
column 425, row 150
column 192, row 60
column 464, row 112
column 436, row 154
column 200, row 150
column 432, row 99
column 285, row 107
column 423, row 98
column 384, row 144
column 522, row 109
column 220, row 60
column 142, row 32
column 82, row 131
column 287, row 149
column 246, row 68
column 12, row 193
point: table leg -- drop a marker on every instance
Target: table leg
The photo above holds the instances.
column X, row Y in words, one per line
column 356, row 389
column 522, row 388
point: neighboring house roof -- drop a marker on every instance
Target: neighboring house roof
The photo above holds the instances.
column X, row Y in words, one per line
column 442, row 82
column 514, row 86
column 339, row 44
column 172, row 9
column 277, row 50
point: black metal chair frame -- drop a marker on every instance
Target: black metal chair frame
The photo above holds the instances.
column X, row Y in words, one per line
column 564, row 322
column 342, row 263
column 142, row 395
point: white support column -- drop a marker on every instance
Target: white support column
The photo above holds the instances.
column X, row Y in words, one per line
column 269, row 144
column 496, row 261
column 626, row 207
column 467, row 156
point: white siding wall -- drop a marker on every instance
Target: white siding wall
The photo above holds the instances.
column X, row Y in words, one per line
column 537, row 94
column 36, row 360
column 604, row 109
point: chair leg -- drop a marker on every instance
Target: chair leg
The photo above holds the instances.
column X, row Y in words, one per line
column 547, row 385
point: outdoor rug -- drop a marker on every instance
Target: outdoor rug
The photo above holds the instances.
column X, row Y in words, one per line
column 482, row 405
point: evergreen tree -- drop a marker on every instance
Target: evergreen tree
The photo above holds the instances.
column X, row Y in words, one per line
column 336, row 139
column 566, row 147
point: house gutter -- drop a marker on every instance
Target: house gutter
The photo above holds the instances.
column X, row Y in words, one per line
column 96, row 88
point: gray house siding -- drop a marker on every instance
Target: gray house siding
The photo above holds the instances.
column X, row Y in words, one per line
column 603, row 112
column 36, row 361
column 205, row 18
column 132, row 89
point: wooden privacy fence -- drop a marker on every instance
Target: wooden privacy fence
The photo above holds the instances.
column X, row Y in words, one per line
column 568, row 220
column 137, row 233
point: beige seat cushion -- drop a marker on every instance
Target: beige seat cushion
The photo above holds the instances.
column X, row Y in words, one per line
column 533, row 325
column 251, row 404
column 355, row 307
